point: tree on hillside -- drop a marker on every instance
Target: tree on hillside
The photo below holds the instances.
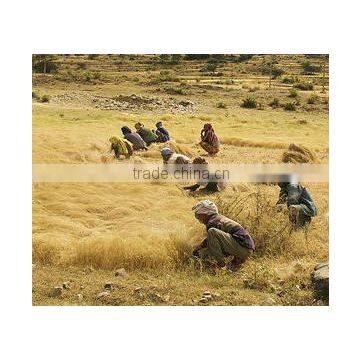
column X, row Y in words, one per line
column 43, row 63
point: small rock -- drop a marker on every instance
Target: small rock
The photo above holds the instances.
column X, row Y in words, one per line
column 120, row 272
column 103, row 295
column 82, row 287
column 56, row 292
column 80, row 297
column 320, row 281
column 66, row 285
column 108, row 286
column 203, row 300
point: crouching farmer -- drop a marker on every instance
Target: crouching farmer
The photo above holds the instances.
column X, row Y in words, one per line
column 299, row 202
column 225, row 237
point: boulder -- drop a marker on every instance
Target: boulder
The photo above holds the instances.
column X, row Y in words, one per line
column 320, row 281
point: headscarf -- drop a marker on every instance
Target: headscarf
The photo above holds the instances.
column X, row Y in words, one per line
column 139, row 125
column 166, row 152
column 208, row 135
column 126, row 130
column 205, row 207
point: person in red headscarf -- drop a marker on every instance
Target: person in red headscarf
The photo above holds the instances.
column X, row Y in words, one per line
column 209, row 141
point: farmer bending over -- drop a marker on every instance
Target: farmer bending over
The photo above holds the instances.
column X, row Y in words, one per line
column 120, row 147
column 299, row 202
column 225, row 237
column 146, row 134
column 209, row 141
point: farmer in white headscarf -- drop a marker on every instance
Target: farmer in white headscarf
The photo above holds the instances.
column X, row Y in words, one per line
column 169, row 157
column 225, row 237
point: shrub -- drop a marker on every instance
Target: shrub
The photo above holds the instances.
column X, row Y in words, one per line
column 274, row 71
column 175, row 90
column 196, row 56
column 249, row 103
column 290, row 106
column 309, row 69
column 221, row 105
column 45, row 98
column 164, row 76
column 275, row 103
column 289, row 80
column 175, row 59
column 293, row 93
column 210, row 67
column 304, row 86
column 34, row 95
column 244, row 57
column 93, row 56
column 313, row 99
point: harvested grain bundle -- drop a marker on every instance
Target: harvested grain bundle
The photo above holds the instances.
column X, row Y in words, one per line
column 256, row 144
column 294, row 157
column 174, row 146
column 303, row 150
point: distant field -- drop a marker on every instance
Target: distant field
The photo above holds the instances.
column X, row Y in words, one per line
column 149, row 229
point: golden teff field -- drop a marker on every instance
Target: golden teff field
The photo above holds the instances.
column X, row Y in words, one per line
column 84, row 232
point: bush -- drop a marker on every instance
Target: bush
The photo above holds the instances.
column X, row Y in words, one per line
column 210, row 67
column 175, row 59
column 249, row 103
column 244, row 57
column 164, row 76
column 289, row 80
column 313, row 99
column 45, row 98
column 221, row 105
column 93, row 56
column 196, row 56
column 275, row 103
column 309, row 69
column 290, row 106
column 293, row 93
column 306, row 86
column 175, row 90
column 274, row 71
column 35, row 95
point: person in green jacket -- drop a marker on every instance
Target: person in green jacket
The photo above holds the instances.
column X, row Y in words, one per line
column 146, row 134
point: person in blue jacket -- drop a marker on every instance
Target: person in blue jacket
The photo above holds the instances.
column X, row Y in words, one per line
column 162, row 134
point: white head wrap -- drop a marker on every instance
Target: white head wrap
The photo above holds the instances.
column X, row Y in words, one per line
column 205, row 207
